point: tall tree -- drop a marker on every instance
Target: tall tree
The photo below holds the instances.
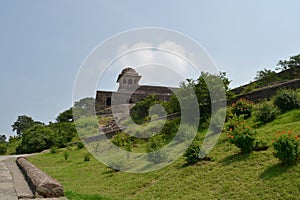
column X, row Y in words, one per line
column 292, row 63
column 22, row 124
column 66, row 116
column 266, row 76
column 3, row 144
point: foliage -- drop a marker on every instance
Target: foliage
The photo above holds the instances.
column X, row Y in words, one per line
column 292, row 63
column 66, row 116
column 241, row 134
column 153, row 147
column 122, row 140
column 63, row 133
column 3, row 144
column 266, row 112
column 242, row 107
column 36, row 139
column 140, row 111
column 54, row 149
column 287, row 100
column 192, row 153
column 286, row 146
column 23, row 123
column 86, row 157
column 84, row 107
column 80, row 145
column 266, row 76
column 66, row 154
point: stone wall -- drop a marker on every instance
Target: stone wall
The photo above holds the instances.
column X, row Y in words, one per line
column 123, row 97
column 270, row 91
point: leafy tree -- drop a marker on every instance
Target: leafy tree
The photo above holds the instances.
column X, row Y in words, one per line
column 292, row 63
column 216, row 82
column 84, row 107
column 2, row 138
column 266, row 76
column 3, row 144
column 66, row 116
column 141, row 109
column 36, row 139
column 63, row 133
column 23, row 123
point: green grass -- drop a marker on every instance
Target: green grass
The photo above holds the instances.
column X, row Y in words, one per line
column 230, row 175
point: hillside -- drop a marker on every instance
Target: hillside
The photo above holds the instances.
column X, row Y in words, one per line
column 228, row 175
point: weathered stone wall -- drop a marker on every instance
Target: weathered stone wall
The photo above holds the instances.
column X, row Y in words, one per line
column 123, row 97
column 40, row 183
column 268, row 92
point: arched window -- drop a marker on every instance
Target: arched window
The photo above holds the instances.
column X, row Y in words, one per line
column 124, row 81
column 130, row 82
column 135, row 82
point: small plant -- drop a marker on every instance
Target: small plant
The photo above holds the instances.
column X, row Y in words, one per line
column 242, row 107
column 86, row 157
column 266, row 112
column 80, row 145
column 241, row 135
column 54, row 149
column 192, row 153
column 66, row 154
column 287, row 100
column 286, row 147
column 154, row 155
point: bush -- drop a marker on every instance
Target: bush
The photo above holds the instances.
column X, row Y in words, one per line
column 242, row 107
column 287, row 100
column 286, row 147
column 36, row 139
column 192, row 153
column 266, row 112
column 54, row 149
column 66, row 154
column 154, row 155
column 86, row 157
column 241, row 135
column 80, row 145
column 3, row 148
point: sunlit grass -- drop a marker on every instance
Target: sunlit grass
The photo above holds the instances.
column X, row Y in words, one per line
column 230, row 175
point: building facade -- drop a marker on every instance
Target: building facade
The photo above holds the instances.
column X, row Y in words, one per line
column 130, row 92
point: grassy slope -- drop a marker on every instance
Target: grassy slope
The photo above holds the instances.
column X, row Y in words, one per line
column 230, row 176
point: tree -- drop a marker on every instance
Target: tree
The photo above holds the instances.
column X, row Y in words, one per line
column 22, row 124
column 2, row 138
column 292, row 63
column 266, row 76
column 3, row 144
column 36, row 139
column 84, row 107
column 66, row 116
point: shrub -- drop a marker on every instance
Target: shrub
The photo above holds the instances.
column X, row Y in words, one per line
column 287, row 100
column 286, row 147
column 80, row 145
column 266, row 112
column 54, row 149
column 153, row 147
column 241, row 135
column 66, row 154
column 242, row 107
column 192, row 153
column 3, row 148
column 86, row 157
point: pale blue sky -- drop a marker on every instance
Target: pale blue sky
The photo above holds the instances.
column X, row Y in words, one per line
column 43, row 43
